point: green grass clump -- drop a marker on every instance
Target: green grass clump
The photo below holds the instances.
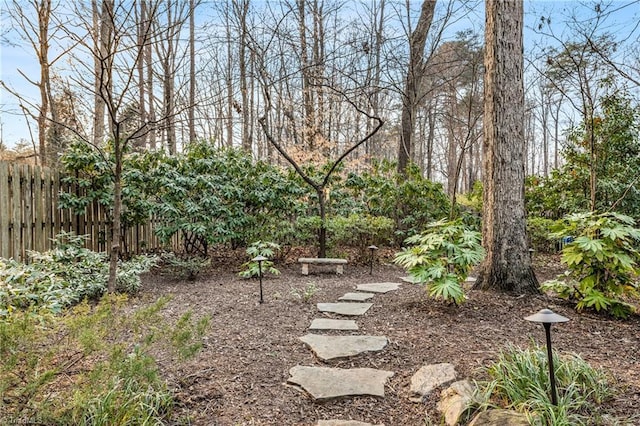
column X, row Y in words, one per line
column 520, row 381
column 93, row 364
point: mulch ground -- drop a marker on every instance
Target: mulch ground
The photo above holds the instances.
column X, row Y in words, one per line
column 239, row 378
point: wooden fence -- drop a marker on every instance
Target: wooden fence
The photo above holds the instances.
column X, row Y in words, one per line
column 30, row 217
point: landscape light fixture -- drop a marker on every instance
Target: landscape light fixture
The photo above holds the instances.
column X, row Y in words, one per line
column 260, row 259
column 373, row 249
column 548, row 317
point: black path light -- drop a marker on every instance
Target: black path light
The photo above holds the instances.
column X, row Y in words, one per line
column 373, row 249
column 260, row 259
column 548, row 317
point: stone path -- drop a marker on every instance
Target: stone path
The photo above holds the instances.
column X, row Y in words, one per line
column 326, row 383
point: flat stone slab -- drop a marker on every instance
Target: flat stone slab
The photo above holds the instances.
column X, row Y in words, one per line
column 378, row 287
column 332, row 324
column 324, row 383
column 410, row 280
column 345, row 308
column 357, row 297
column 430, row 377
column 344, row 423
column 331, row 347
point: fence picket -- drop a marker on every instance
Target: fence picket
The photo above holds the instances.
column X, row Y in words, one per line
column 5, row 215
column 16, row 213
column 30, row 216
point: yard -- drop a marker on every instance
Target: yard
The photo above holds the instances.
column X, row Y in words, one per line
column 239, row 378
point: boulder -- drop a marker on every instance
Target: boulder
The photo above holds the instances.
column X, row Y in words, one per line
column 455, row 401
column 499, row 418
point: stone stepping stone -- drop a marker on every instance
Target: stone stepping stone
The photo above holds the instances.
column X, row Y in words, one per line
column 332, row 324
column 357, row 297
column 343, row 423
column 378, row 287
column 430, row 377
column 410, row 280
column 345, row 308
column 324, row 383
column 331, row 347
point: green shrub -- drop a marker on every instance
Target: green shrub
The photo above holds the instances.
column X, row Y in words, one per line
column 64, row 276
column 602, row 260
column 185, row 267
column 519, row 380
column 260, row 248
column 360, row 231
column 212, row 196
column 91, row 172
column 410, row 200
column 539, row 230
column 441, row 258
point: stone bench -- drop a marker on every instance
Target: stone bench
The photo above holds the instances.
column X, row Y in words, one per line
column 306, row 261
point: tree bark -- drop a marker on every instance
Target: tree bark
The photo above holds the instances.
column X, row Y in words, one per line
column 143, row 31
column 102, row 34
column 241, row 10
column 192, row 71
column 415, row 73
column 507, row 266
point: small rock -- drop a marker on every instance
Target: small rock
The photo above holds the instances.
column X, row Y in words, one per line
column 430, row 377
column 455, row 400
column 499, row 418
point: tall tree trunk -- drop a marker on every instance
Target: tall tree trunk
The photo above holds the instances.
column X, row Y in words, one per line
column 452, row 141
column 168, row 83
column 192, row 72
column 44, row 13
column 102, row 34
column 378, row 24
column 229, row 79
column 151, row 113
column 242, row 10
column 308, row 131
column 431, row 111
column 143, row 34
column 415, row 73
column 114, row 253
column 507, row 266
